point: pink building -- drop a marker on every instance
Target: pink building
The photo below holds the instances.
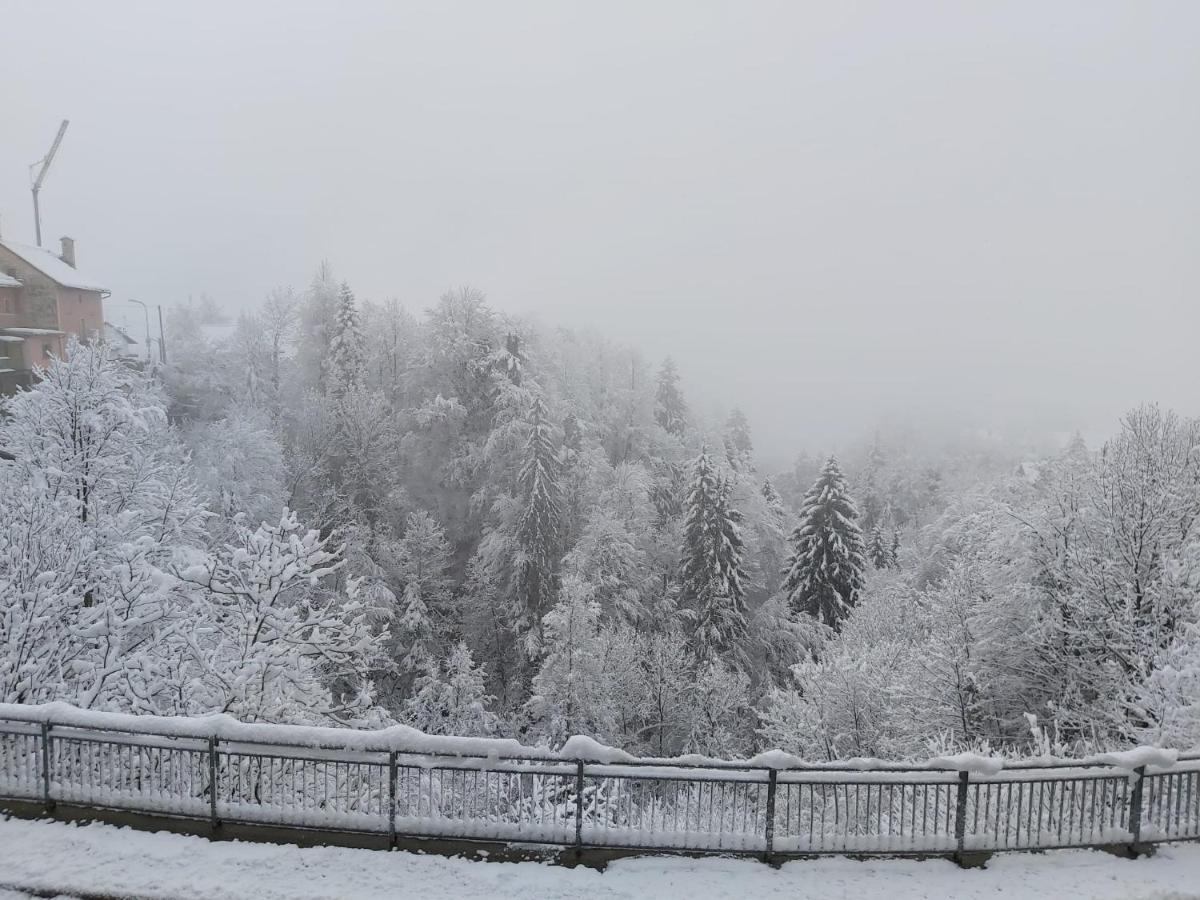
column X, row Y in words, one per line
column 43, row 300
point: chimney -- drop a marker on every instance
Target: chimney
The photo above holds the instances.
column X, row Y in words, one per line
column 68, row 251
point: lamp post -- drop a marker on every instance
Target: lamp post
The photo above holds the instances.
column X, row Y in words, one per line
column 146, row 310
column 162, row 341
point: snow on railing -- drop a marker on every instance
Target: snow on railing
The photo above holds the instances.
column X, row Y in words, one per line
column 401, row 782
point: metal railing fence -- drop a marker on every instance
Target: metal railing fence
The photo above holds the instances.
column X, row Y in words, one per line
column 727, row 807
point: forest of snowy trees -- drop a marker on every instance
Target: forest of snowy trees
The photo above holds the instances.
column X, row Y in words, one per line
column 345, row 512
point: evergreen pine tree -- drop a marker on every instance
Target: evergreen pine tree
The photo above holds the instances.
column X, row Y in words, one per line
column 539, row 531
column 668, row 493
column 317, row 315
column 877, row 549
column 825, row 572
column 414, row 629
column 712, row 569
column 572, row 436
column 739, row 449
column 771, row 495
column 511, row 361
column 347, row 354
column 872, row 495
column 894, row 550
column 670, row 410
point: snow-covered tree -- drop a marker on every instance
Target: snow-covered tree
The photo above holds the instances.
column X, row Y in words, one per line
column 450, row 698
column 318, row 314
column 722, row 715
column 1101, row 540
column 670, row 410
column 842, row 703
column 420, row 564
column 570, row 690
column 825, row 570
column 238, row 463
column 711, row 571
column 1170, row 698
column 878, row 551
column 540, row 524
column 767, row 521
column 279, row 319
column 739, row 448
column 970, row 668
column 268, row 642
column 873, row 500
column 43, row 575
column 99, row 502
column 347, row 363
column 609, row 554
column 666, row 678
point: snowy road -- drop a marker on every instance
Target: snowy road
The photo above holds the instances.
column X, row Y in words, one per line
column 51, row 857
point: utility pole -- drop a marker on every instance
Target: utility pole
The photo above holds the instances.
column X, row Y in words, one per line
column 146, row 310
column 44, row 162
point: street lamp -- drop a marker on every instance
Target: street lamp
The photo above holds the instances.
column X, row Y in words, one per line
column 146, row 310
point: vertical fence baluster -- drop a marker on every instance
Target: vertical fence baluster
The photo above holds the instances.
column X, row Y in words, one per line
column 392, row 799
column 1135, row 805
column 578, row 808
column 47, row 801
column 212, row 782
column 960, row 812
column 772, row 779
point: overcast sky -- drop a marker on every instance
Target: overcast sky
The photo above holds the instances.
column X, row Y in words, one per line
column 826, row 212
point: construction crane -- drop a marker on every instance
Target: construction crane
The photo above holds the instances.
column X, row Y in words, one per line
column 44, row 162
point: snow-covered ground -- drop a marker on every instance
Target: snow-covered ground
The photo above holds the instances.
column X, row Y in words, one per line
column 51, row 857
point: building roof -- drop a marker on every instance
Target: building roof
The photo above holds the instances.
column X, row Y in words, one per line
column 51, row 266
column 33, row 332
column 8, row 281
column 113, row 333
column 218, row 331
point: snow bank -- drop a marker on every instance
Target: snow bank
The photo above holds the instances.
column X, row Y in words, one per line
column 588, row 749
column 969, row 762
column 54, row 858
column 1139, row 756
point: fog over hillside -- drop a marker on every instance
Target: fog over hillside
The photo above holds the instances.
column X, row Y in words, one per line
column 828, row 214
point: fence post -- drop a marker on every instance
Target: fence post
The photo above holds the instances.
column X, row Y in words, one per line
column 772, row 779
column 1135, row 807
column 578, row 808
column 392, row 800
column 47, row 801
column 960, row 814
column 212, row 782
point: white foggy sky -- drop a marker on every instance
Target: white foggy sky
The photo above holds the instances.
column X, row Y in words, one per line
column 827, row 212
